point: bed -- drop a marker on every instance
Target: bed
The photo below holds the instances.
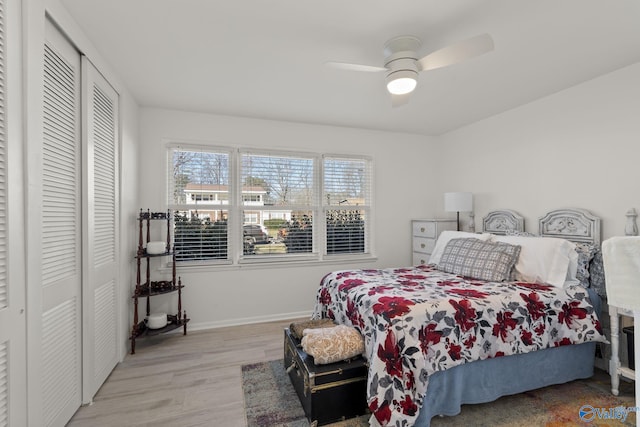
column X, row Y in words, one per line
column 436, row 339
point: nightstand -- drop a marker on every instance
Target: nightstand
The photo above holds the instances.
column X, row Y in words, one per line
column 424, row 233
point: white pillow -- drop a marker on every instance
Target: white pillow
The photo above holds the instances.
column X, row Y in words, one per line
column 572, row 272
column 447, row 235
column 542, row 259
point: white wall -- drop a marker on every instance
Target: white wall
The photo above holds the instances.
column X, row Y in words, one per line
column 129, row 145
column 403, row 167
column 577, row 148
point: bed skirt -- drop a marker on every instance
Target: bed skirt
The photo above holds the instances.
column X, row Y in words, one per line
column 487, row 380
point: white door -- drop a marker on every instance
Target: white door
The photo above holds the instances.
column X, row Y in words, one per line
column 100, row 228
column 12, row 281
column 61, row 242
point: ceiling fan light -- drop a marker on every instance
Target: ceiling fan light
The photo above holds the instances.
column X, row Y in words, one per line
column 402, row 82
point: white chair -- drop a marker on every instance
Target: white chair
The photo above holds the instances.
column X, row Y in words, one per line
column 621, row 260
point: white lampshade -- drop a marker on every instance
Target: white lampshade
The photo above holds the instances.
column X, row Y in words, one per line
column 402, row 82
column 458, row 202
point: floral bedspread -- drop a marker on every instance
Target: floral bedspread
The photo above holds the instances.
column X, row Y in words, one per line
column 418, row 320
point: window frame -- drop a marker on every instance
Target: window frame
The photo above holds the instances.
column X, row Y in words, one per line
column 366, row 207
column 235, row 208
column 170, row 148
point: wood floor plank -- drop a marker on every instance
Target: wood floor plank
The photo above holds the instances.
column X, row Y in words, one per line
column 190, row 381
column 193, row 380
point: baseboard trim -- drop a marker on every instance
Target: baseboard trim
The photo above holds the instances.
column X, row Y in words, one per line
column 247, row 321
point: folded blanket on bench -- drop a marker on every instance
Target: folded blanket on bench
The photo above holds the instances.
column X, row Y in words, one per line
column 296, row 328
column 333, row 344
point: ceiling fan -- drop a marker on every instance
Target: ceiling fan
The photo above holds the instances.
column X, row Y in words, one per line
column 402, row 65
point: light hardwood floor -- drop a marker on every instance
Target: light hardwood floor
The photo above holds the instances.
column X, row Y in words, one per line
column 186, row 381
column 195, row 380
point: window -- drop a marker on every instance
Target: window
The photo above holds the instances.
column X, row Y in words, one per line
column 252, row 198
column 347, row 196
column 249, row 205
column 200, row 227
column 287, row 182
column 251, row 218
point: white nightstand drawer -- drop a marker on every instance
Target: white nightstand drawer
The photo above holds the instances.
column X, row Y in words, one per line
column 420, row 259
column 423, row 244
column 424, row 234
column 424, row 229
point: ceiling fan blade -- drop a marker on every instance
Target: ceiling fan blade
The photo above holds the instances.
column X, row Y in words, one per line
column 398, row 100
column 354, row 67
column 457, row 52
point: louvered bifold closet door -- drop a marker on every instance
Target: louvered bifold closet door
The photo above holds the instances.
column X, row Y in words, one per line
column 4, row 330
column 61, row 231
column 13, row 370
column 100, row 142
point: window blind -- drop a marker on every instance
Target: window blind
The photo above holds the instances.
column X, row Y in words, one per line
column 199, row 195
column 347, row 202
column 283, row 180
column 278, row 190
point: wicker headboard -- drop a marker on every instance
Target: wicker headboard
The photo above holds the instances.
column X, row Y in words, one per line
column 501, row 221
column 577, row 225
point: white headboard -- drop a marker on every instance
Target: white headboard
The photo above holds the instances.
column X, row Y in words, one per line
column 577, row 225
column 501, row 221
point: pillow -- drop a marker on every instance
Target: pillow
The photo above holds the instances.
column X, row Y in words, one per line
column 573, row 265
column 328, row 345
column 585, row 252
column 596, row 274
column 447, row 235
column 573, row 258
column 482, row 260
column 542, row 259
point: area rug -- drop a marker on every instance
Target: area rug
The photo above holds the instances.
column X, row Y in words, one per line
column 271, row 401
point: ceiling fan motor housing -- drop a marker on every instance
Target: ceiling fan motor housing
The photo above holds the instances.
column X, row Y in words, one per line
column 401, row 58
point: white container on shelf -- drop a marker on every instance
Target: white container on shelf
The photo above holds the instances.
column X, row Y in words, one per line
column 156, row 320
column 156, row 248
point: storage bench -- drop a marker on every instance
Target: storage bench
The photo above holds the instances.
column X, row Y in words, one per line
column 328, row 393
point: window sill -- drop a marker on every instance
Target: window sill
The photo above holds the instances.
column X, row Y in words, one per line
column 266, row 263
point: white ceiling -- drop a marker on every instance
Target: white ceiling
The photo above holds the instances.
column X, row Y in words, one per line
column 265, row 59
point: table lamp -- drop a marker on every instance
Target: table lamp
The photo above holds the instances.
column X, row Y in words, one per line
column 458, row 202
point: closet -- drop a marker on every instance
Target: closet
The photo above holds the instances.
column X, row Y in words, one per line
column 78, row 269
